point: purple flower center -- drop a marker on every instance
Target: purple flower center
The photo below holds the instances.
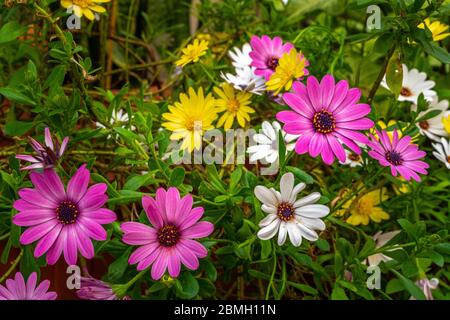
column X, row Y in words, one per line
column 272, row 63
column 67, row 212
column 168, row 235
column 285, row 211
column 324, row 122
column 394, row 157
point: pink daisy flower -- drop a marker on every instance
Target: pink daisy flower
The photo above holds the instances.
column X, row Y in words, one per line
column 47, row 155
column 63, row 221
column 18, row 289
column 170, row 242
column 325, row 115
column 94, row 289
column 265, row 54
column 401, row 155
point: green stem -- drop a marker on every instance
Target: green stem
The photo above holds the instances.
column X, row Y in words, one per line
column 272, row 276
column 12, row 267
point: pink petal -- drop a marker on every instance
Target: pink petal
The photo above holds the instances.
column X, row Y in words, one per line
column 316, row 144
column 337, row 148
column 160, row 265
column 340, row 92
column 302, row 144
column 33, row 217
column 314, row 93
column 78, row 184
column 34, row 233
column 184, row 207
column 327, row 89
column 55, row 251
column 70, row 246
column 152, row 211
column 142, row 252
column 191, row 218
column 198, row 230
column 174, row 265
column 48, row 139
column 47, row 241
column 196, row 247
column 172, row 199
column 102, row 215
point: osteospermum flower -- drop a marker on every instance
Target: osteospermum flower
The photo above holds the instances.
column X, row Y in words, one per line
column 84, row 7
column 352, row 159
column 192, row 52
column 399, row 154
column 437, row 29
column 291, row 66
column 94, row 289
column 266, row 53
column 18, row 289
column 380, row 240
column 245, row 79
column 289, row 216
column 434, row 128
column 365, row 208
column 63, row 221
column 170, row 242
column 241, row 57
column 267, row 142
column 413, row 84
column 427, row 285
column 325, row 115
column 190, row 118
column 234, row 104
column 118, row 117
column 46, row 155
column 442, row 151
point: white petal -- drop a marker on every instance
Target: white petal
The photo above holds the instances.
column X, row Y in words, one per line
column 294, row 234
column 313, row 211
column 267, row 220
column 272, row 156
column 307, row 233
column 268, row 130
column 268, row 232
column 269, row 209
column 313, row 224
column 266, row 196
column 299, row 187
column 282, row 233
column 286, row 186
column 312, row 198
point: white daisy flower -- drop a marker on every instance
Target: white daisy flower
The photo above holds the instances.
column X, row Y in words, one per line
column 245, row 78
column 241, row 57
column 434, row 128
column 414, row 83
column 352, row 159
column 442, row 151
column 289, row 216
column 380, row 240
column 267, row 142
column 117, row 117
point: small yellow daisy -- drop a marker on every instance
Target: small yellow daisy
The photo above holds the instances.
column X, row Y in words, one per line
column 235, row 104
column 192, row 52
column 291, row 66
column 437, row 29
column 84, row 7
column 363, row 209
column 190, row 118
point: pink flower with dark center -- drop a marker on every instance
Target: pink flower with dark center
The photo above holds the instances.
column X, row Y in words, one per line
column 46, row 156
column 18, row 289
column 169, row 243
column 63, row 221
column 265, row 54
column 399, row 154
column 325, row 115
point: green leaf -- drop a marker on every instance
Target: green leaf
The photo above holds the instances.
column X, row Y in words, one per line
column 235, row 179
column 300, row 174
column 5, row 254
column 414, row 290
column 394, row 75
column 338, row 293
column 17, row 128
column 10, row 31
column 135, row 182
column 28, row 263
column 304, row 288
column 15, row 95
column 187, row 286
column 118, row 267
column 266, row 249
column 177, row 176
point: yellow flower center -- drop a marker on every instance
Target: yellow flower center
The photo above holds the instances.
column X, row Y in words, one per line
column 233, row 105
column 365, row 206
column 193, row 125
column 82, row 3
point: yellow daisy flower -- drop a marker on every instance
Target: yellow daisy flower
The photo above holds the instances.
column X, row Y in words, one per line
column 363, row 209
column 446, row 123
column 84, row 7
column 235, row 104
column 190, row 118
column 192, row 52
column 437, row 29
column 291, row 66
